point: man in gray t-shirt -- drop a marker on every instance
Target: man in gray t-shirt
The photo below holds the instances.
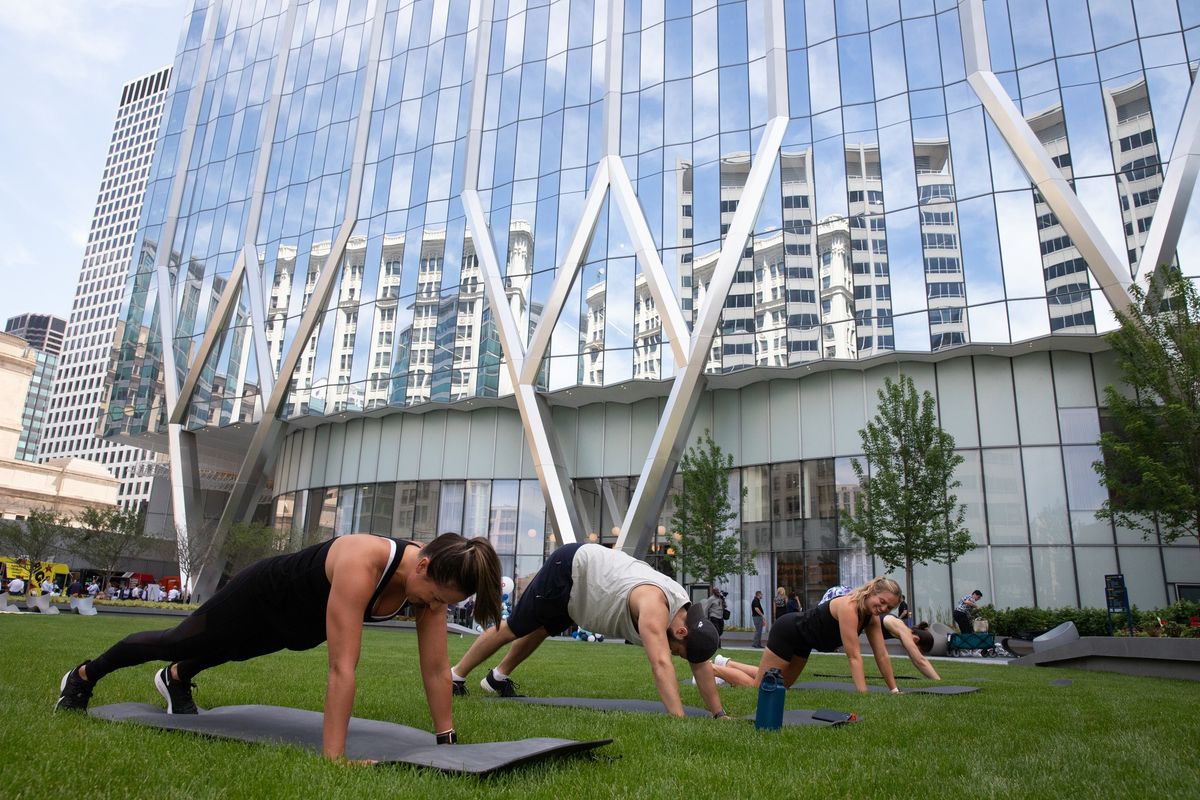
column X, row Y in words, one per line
column 609, row 592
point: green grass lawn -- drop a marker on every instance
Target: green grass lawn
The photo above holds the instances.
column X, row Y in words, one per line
column 1103, row 736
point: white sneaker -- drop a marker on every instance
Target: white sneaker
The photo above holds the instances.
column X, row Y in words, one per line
column 720, row 661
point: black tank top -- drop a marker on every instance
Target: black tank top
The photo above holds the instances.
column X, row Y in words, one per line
column 398, row 546
column 296, row 590
column 818, row 627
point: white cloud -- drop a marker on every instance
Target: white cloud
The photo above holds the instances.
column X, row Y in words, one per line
column 70, row 40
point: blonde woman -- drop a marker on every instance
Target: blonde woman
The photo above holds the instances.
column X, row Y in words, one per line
column 781, row 598
column 827, row 627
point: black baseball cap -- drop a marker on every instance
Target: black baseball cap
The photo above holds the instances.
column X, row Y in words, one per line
column 702, row 637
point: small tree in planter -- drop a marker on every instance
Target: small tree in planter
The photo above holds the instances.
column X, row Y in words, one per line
column 703, row 513
column 906, row 513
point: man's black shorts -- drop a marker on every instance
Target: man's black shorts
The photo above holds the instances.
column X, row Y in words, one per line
column 543, row 604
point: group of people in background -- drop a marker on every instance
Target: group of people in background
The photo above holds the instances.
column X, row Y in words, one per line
column 77, row 587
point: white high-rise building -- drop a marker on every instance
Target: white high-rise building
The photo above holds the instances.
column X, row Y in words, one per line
column 78, row 401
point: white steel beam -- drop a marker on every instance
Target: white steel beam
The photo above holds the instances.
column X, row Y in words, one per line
column 182, row 461
column 1108, row 269
column 564, row 276
column 669, row 440
column 1179, row 180
column 652, row 267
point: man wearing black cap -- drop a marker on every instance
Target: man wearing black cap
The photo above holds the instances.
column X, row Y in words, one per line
column 609, row 592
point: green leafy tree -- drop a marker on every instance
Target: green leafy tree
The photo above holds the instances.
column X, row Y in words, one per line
column 703, row 513
column 34, row 540
column 106, row 537
column 1151, row 464
column 906, row 512
column 248, row 542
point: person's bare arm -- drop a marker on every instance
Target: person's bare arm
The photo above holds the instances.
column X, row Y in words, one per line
column 879, row 650
column 847, row 619
column 351, row 583
column 908, row 641
column 435, row 665
column 706, row 683
column 652, row 627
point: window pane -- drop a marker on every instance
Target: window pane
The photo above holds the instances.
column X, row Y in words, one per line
column 1005, row 496
column 450, row 511
column 1013, row 577
column 1047, row 498
column 476, row 505
column 1054, row 576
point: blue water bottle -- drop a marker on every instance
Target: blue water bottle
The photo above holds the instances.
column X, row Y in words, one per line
column 769, row 715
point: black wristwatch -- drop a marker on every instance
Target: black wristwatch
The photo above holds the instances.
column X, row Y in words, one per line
column 447, row 737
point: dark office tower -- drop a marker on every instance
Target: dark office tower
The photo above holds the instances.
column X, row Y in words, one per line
column 43, row 331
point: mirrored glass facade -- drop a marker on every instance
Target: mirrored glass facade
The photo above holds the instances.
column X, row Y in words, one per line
column 310, row 208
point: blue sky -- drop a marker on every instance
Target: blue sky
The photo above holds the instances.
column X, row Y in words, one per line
column 63, row 63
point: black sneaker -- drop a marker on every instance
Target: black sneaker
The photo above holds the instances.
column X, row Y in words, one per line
column 178, row 694
column 458, row 688
column 494, row 685
column 73, row 692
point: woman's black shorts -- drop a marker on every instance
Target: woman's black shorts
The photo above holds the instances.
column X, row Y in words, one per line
column 786, row 640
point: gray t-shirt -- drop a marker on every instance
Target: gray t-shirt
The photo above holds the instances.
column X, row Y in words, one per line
column 603, row 579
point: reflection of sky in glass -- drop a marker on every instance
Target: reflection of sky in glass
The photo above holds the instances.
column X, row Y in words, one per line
column 858, row 77
column 981, row 251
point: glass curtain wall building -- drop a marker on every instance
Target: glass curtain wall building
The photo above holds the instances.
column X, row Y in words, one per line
column 409, row 266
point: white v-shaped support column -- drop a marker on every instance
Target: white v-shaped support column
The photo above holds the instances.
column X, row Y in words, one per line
column 667, row 446
column 669, row 440
column 1107, row 267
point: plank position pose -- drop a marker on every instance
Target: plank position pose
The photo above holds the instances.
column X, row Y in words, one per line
column 916, row 644
column 833, row 624
column 298, row 600
column 609, row 592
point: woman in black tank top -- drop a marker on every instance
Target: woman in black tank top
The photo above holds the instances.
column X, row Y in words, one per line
column 298, row 600
column 836, row 623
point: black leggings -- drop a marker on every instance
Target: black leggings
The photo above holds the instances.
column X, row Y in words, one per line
column 194, row 644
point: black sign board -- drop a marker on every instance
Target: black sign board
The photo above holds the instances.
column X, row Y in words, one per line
column 1117, row 600
column 1115, row 594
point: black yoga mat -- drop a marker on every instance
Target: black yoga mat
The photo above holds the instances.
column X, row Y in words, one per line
column 837, row 686
column 385, row 742
column 797, row 716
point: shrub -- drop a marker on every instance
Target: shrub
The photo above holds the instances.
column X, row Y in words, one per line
column 1089, row 621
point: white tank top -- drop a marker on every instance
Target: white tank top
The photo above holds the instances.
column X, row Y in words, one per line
column 603, row 579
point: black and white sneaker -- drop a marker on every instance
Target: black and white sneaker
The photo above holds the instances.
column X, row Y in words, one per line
column 493, row 685
column 178, row 694
column 458, row 688
column 73, row 692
